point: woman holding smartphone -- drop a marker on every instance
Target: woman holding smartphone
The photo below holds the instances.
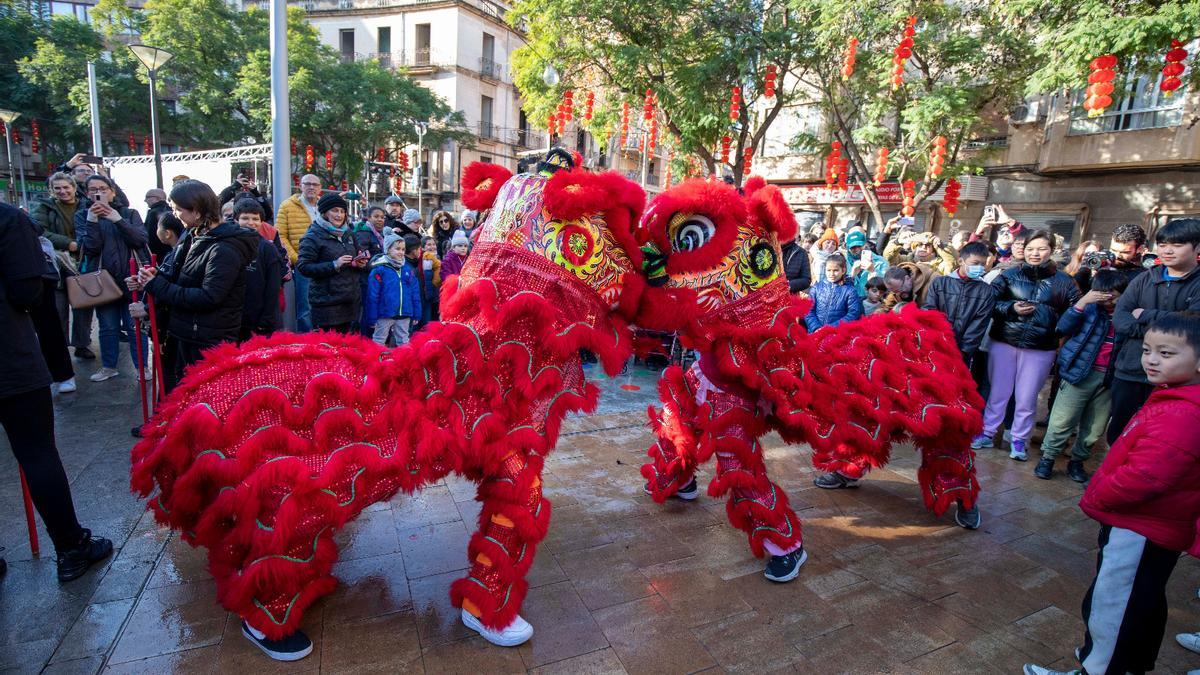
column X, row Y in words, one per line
column 330, row 258
column 1030, row 298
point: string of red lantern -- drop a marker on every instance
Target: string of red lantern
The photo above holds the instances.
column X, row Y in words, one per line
column 653, row 135
column 1173, row 68
column 296, row 178
column 903, row 52
column 1100, row 85
column 648, row 105
column 309, row 158
column 398, row 184
column 726, row 141
column 132, row 143
column 670, row 159
column 293, row 147
column 381, row 155
column 345, row 185
column 624, row 123
column 147, row 146
column 843, row 173
column 589, row 104
column 769, row 81
column 565, row 110
column 735, row 101
column 16, row 135
column 910, row 198
column 747, row 157
column 849, row 58
column 950, row 199
column 881, row 167
column 832, row 164
column 937, row 157
column 552, row 122
column 402, row 160
column 328, row 159
column 35, row 143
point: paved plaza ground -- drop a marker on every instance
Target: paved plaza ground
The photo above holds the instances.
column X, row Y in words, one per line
column 620, row 584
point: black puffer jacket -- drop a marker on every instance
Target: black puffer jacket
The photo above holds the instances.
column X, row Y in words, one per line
column 796, row 267
column 967, row 304
column 1053, row 291
column 1155, row 296
column 108, row 245
column 206, row 291
column 335, row 294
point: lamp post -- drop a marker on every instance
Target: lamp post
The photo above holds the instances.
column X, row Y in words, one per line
column 8, row 117
column 153, row 58
column 421, row 128
column 551, row 78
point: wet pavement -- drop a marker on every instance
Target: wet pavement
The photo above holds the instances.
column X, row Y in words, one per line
column 620, row 584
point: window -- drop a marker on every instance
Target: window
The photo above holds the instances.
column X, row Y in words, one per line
column 487, row 62
column 1142, row 105
column 385, row 40
column 170, row 105
column 346, row 40
column 423, row 41
column 485, row 159
column 486, row 129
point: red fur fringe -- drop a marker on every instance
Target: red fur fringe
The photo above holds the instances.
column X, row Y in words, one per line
column 481, row 182
column 719, row 202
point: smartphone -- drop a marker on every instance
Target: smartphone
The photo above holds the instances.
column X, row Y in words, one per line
column 865, row 256
column 907, row 220
column 989, row 211
column 91, row 159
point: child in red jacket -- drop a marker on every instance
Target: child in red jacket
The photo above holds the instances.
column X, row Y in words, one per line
column 1146, row 496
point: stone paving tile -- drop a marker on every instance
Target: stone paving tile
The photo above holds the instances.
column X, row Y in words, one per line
column 620, row 585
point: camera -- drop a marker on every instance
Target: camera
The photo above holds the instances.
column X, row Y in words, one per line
column 1098, row 260
column 1149, row 260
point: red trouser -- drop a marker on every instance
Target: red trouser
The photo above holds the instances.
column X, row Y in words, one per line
column 699, row 420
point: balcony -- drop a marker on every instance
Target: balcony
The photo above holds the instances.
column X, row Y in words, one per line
column 489, row 69
column 421, row 58
column 488, row 131
column 531, row 140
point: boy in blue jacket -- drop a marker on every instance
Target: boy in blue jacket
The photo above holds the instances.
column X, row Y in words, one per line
column 1084, row 400
column 393, row 293
column 834, row 298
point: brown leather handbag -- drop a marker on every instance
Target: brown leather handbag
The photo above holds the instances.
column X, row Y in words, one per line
column 91, row 289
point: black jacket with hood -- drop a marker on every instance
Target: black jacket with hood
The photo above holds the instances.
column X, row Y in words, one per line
column 1155, row 296
column 1052, row 292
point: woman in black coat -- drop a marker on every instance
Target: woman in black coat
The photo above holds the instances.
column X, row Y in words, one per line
column 206, row 287
column 330, row 257
column 1030, row 298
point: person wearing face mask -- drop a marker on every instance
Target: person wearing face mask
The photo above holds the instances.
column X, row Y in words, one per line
column 1030, row 299
column 109, row 235
column 965, row 298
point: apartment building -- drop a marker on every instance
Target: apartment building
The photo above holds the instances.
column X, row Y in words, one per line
column 1048, row 163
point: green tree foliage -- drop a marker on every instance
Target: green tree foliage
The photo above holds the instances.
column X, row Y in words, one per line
column 690, row 52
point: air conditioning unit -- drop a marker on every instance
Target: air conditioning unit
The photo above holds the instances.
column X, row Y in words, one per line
column 1028, row 112
column 974, row 189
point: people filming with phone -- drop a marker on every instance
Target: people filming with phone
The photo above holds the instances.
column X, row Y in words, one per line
column 246, row 187
column 334, row 265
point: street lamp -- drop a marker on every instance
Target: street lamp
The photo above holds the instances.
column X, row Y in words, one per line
column 421, row 128
column 8, row 117
column 153, row 58
column 551, row 78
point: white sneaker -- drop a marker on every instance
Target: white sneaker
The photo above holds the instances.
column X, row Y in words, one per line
column 1189, row 641
column 517, row 632
column 104, row 374
column 1034, row 669
column 66, row 386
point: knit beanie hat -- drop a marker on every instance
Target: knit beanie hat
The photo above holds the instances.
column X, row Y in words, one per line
column 459, row 239
column 393, row 199
column 410, row 216
column 829, row 234
column 467, row 213
column 331, row 200
column 392, row 239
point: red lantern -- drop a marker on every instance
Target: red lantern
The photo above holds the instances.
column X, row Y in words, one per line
column 910, row 198
column 147, row 146
column 881, row 167
column 937, row 158
column 381, row 155
column 1173, row 68
column 903, row 52
column 670, row 159
column 849, row 58
column 36, row 133
column 345, row 185
column 725, row 143
column 735, row 101
column 843, row 173
column 747, row 160
column 16, row 135
column 296, row 180
column 589, row 102
column 624, row 122
column 132, row 143
column 769, row 81
column 293, row 147
column 309, row 158
column 1100, row 87
column 552, row 122
column 402, row 160
column 950, row 200
column 398, row 185
column 833, row 164
column 328, row 159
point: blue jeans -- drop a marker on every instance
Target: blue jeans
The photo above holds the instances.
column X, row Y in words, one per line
column 303, row 313
column 114, row 319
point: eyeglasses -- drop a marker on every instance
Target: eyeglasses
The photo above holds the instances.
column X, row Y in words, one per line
column 310, row 184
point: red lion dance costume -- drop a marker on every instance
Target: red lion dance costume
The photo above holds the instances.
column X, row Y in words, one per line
column 266, row 449
column 850, row 392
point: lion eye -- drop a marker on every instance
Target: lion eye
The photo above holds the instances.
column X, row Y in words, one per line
column 692, row 233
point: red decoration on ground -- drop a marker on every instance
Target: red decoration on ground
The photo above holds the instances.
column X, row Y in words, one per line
column 881, row 167
column 1100, row 85
column 950, row 199
column 849, row 58
column 1173, row 68
column 903, row 52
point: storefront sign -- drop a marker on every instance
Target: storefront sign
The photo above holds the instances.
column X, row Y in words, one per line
column 799, row 195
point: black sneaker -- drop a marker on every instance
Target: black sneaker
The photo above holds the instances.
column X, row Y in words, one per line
column 687, row 492
column 85, row 354
column 74, row 563
column 290, row 648
column 783, row 568
column 1076, row 472
column 834, row 481
column 136, row 432
column 969, row 519
column 1044, row 468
